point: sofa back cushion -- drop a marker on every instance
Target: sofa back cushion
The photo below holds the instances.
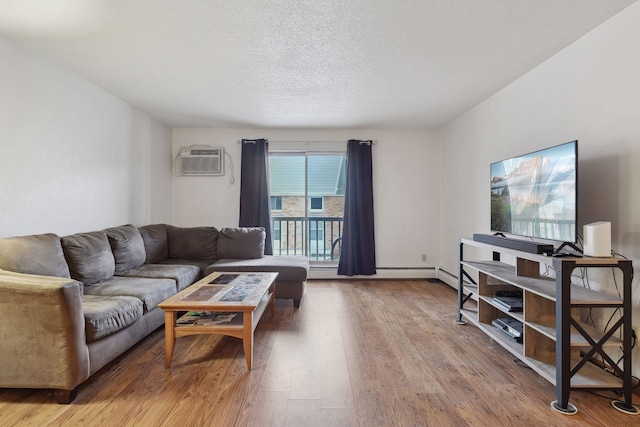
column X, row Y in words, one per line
column 193, row 242
column 89, row 257
column 241, row 243
column 127, row 247
column 38, row 254
column 156, row 244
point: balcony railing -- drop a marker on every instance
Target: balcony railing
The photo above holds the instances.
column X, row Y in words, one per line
column 320, row 238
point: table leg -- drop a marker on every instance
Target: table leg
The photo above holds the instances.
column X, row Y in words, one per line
column 169, row 336
column 247, row 337
column 272, row 302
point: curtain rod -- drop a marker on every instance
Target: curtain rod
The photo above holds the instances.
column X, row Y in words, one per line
column 253, row 141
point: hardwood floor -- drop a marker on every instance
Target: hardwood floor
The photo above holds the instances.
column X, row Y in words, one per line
column 356, row 353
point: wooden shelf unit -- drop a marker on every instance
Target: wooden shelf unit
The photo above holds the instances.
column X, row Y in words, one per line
column 556, row 344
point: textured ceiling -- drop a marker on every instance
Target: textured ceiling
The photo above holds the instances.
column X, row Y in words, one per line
column 299, row 63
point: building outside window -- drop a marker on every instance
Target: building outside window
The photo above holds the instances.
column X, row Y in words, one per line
column 276, row 231
column 316, row 203
column 276, row 203
column 316, row 237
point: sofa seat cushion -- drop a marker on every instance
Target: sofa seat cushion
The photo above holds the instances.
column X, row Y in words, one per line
column 89, row 257
column 38, row 254
column 127, row 247
column 241, row 242
column 184, row 275
column 150, row 291
column 105, row 315
column 202, row 264
column 291, row 268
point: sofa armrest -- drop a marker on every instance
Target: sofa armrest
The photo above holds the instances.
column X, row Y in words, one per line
column 42, row 332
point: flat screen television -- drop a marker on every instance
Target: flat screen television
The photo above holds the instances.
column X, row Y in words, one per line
column 536, row 194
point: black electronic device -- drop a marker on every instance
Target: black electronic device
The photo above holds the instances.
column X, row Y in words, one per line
column 519, row 245
column 514, row 293
column 510, row 327
column 509, row 303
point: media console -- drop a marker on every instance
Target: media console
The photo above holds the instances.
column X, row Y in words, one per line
column 555, row 342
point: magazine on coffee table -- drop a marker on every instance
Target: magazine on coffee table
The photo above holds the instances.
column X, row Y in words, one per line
column 205, row 318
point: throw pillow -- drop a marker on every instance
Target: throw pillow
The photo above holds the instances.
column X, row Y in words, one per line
column 89, row 257
column 156, row 244
column 241, row 243
column 127, row 247
column 38, row 254
column 193, row 243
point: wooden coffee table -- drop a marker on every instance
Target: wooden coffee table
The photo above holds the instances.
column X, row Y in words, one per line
column 245, row 294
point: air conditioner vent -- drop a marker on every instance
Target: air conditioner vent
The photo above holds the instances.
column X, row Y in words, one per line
column 202, row 161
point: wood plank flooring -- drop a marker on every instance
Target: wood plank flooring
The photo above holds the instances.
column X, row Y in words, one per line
column 356, row 353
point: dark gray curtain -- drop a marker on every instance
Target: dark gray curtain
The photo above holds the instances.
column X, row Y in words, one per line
column 358, row 255
column 255, row 203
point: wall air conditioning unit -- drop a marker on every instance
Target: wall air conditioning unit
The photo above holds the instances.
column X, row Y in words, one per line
column 201, row 161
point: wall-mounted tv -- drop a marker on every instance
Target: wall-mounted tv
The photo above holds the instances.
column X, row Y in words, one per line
column 536, row 194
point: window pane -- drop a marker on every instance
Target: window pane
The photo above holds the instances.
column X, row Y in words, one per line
column 276, row 203
column 276, row 231
column 287, row 188
column 326, row 205
column 316, row 203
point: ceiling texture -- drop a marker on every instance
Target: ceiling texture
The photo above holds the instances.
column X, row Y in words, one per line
column 301, row 63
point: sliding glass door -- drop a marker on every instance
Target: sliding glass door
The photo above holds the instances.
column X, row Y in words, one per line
column 307, row 204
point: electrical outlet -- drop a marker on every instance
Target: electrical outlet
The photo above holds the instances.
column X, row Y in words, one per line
column 424, row 257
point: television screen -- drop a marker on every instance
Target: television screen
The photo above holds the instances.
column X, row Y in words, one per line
column 535, row 195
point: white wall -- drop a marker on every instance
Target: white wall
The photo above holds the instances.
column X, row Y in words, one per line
column 406, row 186
column 591, row 92
column 74, row 157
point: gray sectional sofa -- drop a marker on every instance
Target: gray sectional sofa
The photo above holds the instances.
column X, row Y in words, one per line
column 72, row 304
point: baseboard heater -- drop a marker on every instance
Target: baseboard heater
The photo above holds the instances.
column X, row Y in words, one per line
column 519, row 245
